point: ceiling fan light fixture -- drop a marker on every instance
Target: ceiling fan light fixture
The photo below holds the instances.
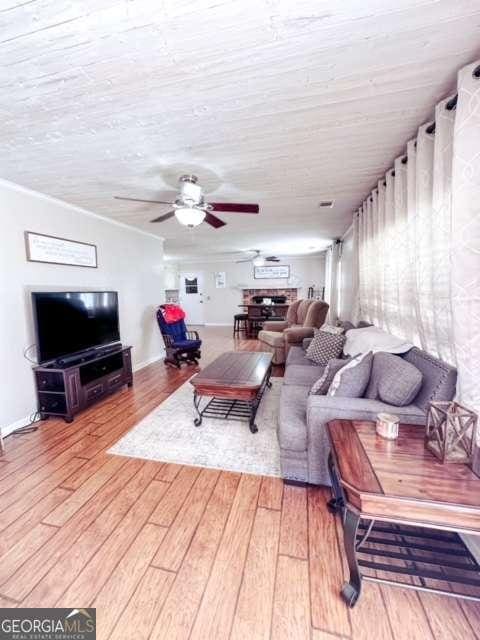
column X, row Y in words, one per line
column 258, row 261
column 189, row 216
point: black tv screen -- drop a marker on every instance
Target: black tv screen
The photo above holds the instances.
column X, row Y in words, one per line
column 68, row 322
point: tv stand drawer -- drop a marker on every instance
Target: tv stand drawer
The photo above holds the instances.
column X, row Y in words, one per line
column 115, row 379
column 95, row 391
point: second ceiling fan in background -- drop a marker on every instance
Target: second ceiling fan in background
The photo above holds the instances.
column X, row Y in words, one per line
column 258, row 260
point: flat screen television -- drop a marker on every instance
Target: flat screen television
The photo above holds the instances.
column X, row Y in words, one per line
column 69, row 322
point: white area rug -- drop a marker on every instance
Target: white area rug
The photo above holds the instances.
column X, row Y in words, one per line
column 168, row 434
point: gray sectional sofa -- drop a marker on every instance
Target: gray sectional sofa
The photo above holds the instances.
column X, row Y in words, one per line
column 304, row 445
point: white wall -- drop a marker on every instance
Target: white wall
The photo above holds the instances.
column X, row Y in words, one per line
column 129, row 261
column 220, row 305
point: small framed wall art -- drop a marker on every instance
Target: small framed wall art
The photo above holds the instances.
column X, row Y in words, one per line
column 53, row 250
column 220, row 279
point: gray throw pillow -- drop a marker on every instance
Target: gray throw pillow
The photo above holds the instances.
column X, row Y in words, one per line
column 393, row 380
column 352, row 379
column 329, row 328
column 322, row 385
column 324, row 347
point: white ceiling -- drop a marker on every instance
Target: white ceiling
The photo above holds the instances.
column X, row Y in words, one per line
column 279, row 102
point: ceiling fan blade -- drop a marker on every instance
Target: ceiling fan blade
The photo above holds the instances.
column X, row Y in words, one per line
column 166, row 216
column 272, row 259
column 246, row 260
column 140, row 200
column 234, row 208
column 214, row 221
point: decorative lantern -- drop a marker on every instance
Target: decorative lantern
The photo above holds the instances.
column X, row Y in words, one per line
column 451, row 432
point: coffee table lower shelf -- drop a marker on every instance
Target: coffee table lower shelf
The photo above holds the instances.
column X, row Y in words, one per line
column 231, row 408
column 409, row 557
column 397, row 554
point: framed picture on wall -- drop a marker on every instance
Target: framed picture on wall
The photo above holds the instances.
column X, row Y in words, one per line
column 220, row 279
column 272, row 272
column 53, row 250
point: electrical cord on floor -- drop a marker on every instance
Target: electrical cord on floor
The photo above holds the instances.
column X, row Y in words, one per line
column 35, row 416
column 28, row 428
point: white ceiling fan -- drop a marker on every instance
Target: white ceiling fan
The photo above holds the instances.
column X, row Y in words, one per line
column 258, row 260
column 190, row 208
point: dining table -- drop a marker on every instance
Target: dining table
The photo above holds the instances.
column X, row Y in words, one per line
column 258, row 313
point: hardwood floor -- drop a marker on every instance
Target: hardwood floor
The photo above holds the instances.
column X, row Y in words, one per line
column 169, row 551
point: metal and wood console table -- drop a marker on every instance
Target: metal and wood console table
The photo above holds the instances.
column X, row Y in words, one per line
column 235, row 383
column 403, row 512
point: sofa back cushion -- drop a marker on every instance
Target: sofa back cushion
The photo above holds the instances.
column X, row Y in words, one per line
column 291, row 317
column 352, row 379
column 393, row 380
column 307, row 313
column 322, row 385
column 316, row 314
column 439, row 378
column 302, row 311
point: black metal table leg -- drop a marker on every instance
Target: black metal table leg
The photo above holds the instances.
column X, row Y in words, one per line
column 351, row 590
column 269, row 373
column 196, row 403
column 337, row 503
column 253, row 412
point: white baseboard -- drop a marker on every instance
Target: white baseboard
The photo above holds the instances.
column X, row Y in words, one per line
column 145, row 363
column 219, row 324
column 18, row 424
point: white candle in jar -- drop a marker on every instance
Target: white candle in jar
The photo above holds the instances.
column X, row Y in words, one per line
column 387, row 425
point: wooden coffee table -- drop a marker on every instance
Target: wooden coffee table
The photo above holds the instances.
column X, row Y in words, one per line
column 403, row 511
column 235, row 383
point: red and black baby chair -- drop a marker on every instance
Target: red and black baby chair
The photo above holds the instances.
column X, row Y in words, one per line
column 181, row 345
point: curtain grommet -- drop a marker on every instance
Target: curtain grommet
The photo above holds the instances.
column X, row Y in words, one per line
column 452, row 104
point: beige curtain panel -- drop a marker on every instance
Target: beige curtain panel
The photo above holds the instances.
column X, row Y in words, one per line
column 418, row 239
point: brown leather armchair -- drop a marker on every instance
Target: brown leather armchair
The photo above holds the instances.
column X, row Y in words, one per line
column 303, row 317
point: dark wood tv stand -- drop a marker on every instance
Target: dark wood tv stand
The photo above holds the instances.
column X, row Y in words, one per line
column 65, row 390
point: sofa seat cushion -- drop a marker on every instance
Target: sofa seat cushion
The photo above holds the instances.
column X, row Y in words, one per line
column 292, row 422
column 272, row 338
column 322, row 409
column 297, row 374
column 296, row 355
column 393, row 380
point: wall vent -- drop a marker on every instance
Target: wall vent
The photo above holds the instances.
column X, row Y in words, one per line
column 326, row 203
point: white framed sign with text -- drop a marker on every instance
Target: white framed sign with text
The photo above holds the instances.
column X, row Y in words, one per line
column 271, row 272
column 53, row 250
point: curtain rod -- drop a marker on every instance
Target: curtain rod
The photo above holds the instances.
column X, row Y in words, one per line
column 450, row 105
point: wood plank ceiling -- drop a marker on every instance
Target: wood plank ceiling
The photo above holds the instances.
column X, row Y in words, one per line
column 284, row 103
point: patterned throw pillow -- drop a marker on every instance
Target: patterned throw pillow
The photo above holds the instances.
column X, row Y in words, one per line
column 352, row 379
column 322, row 385
column 329, row 328
column 324, row 347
